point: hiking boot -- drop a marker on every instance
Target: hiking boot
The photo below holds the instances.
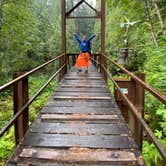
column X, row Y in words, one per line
column 79, row 70
column 86, row 71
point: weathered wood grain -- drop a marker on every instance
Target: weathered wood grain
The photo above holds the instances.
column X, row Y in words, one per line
column 80, row 110
column 80, row 155
column 83, row 78
column 86, row 141
column 82, row 103
column 78, row 117
column 79, row 128
column 77, row 94
column 82, row 86
column 81, row 97
column 84, row 90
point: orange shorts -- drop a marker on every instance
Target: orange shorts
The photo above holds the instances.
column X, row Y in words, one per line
column 83, row 60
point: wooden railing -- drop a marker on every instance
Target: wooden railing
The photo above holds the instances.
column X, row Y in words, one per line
column 20, row 98
column 138, row 118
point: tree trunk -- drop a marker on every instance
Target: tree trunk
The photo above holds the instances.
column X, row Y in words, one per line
column 159, row 17
column 151, row 23
column 1, row 16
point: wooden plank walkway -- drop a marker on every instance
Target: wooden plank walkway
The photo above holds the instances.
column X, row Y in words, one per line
column 80, row 125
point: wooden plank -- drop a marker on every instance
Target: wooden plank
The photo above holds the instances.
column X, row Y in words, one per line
column 113, row 121
column 80, row 128
column 77, row 155
column 91, row 74
column 85, row 90
column 81, row 109
column 89, row 141
column 39, row 163
column 82, row 103
column 83, row 78
column 82, row 94
column 82, row 86
column 91, row 82
column 80, row 117
column 29, row 162
column 95, row 82
column 81, row 97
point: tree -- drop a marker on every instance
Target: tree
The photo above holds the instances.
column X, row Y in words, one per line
column 150, row 23
column 161, row 21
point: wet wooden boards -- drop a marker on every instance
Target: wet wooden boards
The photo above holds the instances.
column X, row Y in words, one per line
column 80, row 125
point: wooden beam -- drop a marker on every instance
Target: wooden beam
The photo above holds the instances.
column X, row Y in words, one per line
column 63, row 59
column 90, row 6
column 20, row 99
column 103, row 59
column 82, row 86
column 80, row 155
column 76, row 6
column 78, row 117
column 82, row 98
column 83, row 17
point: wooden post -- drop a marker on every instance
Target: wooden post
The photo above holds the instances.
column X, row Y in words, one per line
column 138, row 98
column 136, row 95
column 20, row 99
column 95, row 58
column 103, row 59
column 124, row 84
column 63, row 60
column 73, row 59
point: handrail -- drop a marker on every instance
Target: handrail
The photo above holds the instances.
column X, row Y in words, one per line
column 16, row 116
column 155, row 93
column 140, row 119
column 94, row 60
column 3, row 87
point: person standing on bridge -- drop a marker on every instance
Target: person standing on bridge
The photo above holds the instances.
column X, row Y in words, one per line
column 82, row 62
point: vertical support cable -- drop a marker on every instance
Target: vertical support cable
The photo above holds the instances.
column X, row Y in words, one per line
column 63, row 60
column 102, row 58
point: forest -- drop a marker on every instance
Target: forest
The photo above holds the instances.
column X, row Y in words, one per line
column 30, row 34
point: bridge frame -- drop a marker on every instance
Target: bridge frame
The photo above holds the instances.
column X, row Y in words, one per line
column 66, row 15
column 20, row 85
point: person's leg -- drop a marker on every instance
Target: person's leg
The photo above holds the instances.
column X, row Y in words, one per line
column 78, row 63
column 87, row 57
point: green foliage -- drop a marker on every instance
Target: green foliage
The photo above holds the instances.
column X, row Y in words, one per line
column 6, row 145
column 5, row 109
column 29, row 35
column 116, row 35
column 17, row 35
column 151, row 154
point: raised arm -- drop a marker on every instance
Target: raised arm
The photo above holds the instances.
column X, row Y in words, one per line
column 91, row 37
column 77, row 38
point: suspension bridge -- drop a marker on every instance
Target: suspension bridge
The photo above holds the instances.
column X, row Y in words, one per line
column 82, row 123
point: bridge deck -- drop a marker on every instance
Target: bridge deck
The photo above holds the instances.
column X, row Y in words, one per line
column 80, row 125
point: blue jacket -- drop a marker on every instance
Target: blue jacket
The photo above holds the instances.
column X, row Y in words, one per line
column 84, row 46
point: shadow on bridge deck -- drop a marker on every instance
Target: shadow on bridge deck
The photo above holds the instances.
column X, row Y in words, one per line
column 80, row 125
